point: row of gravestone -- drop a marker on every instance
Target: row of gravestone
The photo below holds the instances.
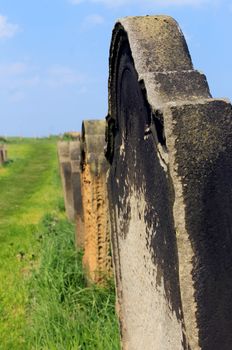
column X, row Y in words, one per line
column 83, row 170
column 166, row 192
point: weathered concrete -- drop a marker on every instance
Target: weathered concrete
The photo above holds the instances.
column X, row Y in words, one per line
column 96, row 260
column 170, row 194
column 69, row 154
column 66, row 177
column 75, row 159
column 3, row 154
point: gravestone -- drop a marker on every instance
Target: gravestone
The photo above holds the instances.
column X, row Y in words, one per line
column 66, row 177
column 3, row 154
column 96, row 260
column 72, row 135
column 170, row 195
column 75, row 159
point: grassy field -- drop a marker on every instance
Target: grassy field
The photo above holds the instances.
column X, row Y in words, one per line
column 44, row 300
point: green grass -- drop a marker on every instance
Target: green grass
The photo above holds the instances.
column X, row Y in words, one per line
column 44, row 301
column 68, row 314
column 29, row 187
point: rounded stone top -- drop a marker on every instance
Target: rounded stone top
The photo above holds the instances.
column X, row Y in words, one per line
column 74, row 135
column 93, row 127
column 93, row 136
column 153, row 48
column 157, row 43
column 93, row 142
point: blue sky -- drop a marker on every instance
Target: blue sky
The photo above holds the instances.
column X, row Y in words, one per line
column 54, row 56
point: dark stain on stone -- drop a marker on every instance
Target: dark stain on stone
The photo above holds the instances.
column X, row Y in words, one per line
column 204, row 159
column 158, row 121
column 141, row 166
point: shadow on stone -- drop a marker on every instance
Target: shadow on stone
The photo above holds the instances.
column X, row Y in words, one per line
column 170, row 197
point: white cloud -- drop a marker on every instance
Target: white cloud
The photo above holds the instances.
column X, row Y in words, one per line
column 115, row 3
column 12, row 69
column 18, row 73
column 118, row 3
column 59, row 76
column 76, row 2
column 31, row 81
column 16, row 96
column 23, row 75
column 92, row 21
column 7, row 29
column 16, row 79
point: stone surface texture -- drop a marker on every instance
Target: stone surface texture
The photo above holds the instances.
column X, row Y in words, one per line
column 72, row 135
column 97, row 259
column 75, row 160
column 169, row 145
column 66, row 178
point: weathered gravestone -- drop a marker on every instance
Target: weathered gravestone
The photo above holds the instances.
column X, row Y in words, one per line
column 72, row 135
column 96, row 260
column 170, row 192
column 3, row 154
column 75, row 159
column 66, row 178
column 69, row 154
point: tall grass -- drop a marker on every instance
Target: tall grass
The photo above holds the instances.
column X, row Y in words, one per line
column 30, row 187
column 45, row 303
column 66, row 313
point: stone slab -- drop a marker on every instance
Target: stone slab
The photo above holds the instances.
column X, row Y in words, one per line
column 75, row 160
column 97, row 259
column 66, row 177
column 170, row 198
